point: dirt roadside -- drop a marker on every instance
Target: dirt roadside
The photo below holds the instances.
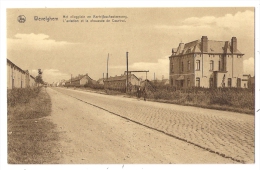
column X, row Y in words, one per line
column 93, row 136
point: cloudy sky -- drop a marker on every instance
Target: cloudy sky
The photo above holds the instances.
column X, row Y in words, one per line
column 63, row 48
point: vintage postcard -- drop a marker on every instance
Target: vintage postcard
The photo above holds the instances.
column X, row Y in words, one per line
column 108, row 85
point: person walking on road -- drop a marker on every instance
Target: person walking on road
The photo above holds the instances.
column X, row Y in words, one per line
column 144, row 94
column 139, row 92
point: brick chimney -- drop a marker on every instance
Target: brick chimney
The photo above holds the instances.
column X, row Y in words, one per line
column 204, row 44
column 234, row 44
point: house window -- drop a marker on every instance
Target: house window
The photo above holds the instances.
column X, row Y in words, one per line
column 172, row 82
column 229, row 82
column 239, row 82
column 188, row 82
column 211, row 65
column 197, row 64
column 197, row 82
column 189, row 65
column 182, row 67
column 219, row 65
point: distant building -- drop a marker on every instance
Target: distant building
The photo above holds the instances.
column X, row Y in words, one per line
column 80, row 80
column 248, row 81
column 61, row 83
column 119, row 82
column 17, row 77
column 206, row 63
column 100, row 81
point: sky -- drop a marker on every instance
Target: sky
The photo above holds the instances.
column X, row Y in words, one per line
column 61, row 49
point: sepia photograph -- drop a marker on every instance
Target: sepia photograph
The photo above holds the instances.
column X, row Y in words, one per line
column 130, row 85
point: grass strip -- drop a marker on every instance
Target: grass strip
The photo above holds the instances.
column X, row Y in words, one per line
column 32, row 138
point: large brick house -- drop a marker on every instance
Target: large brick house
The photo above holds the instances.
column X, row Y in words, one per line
column 206, row 63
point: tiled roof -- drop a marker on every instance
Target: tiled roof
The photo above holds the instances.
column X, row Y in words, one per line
column 214, row 47
column 79, row 78
column 189, row 47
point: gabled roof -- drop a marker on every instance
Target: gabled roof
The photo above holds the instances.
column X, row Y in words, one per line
column 80, row 77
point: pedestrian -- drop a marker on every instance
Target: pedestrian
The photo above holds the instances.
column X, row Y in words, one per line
column 144, row 94
column 139, row 92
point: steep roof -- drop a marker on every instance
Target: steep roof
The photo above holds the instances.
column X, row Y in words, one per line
column 80, row 77
column 214, row 47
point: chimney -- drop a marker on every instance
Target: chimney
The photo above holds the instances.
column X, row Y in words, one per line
column 204, row 44
column 226, row 47
column 234, row 44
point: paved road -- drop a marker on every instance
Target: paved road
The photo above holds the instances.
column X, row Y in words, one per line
column 203, row 135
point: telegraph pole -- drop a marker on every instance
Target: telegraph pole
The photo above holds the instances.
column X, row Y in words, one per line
column 126, row 71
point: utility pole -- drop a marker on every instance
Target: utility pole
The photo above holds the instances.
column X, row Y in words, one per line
column 126, row 71
column 107, row 64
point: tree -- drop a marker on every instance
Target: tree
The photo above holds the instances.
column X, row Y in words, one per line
column 38, row 79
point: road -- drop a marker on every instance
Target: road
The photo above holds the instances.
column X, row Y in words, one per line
column 97, row 128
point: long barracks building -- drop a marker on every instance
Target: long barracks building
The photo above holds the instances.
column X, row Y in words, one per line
column 206, row 63
column 18, row 78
